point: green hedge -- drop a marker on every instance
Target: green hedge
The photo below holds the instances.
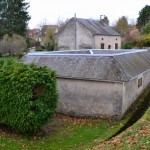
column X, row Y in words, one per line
column 127, row 45
column 28, row 95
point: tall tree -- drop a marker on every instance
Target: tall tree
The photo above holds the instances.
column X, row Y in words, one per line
column 13, row 17
column 144, row 17
column 49, row 38
column 122, row 26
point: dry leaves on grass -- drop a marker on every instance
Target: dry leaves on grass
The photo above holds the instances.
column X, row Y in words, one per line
column 144, row 131
column 2, row 134
column 74, row 120
column 131, row 137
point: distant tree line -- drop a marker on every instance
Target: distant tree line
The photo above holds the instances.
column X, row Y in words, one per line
column 129, row 31
column 143, row 24
column 14, row 20
column 13, row 25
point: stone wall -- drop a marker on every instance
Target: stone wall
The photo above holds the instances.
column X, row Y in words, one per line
column 66, row 39
column 85, row 39
column 77, row 36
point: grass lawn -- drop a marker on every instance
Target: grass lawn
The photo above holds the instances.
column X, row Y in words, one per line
column 137, row 137
column 62, row 133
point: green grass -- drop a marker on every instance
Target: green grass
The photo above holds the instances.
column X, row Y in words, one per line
column 63, row 135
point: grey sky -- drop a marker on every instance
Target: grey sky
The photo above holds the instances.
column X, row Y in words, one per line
column 51, row 10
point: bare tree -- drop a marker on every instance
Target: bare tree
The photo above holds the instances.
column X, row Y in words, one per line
column 61, row 22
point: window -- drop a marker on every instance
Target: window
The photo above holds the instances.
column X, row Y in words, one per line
column 139, row 82
column 102, row 45
column 102, row 39
column 109, row 46
column 116, row 45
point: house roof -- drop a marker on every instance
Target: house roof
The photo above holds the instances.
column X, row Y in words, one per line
column 33, row 31
column 97, row 27
column 100, row 65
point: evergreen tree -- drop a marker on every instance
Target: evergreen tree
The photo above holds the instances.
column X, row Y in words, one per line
column 144, row 17
column 13, row 17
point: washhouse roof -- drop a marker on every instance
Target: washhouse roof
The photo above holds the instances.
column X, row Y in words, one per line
column 100, row 65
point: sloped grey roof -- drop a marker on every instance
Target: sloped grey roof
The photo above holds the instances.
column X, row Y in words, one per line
column 102, row 65
column 98, row 27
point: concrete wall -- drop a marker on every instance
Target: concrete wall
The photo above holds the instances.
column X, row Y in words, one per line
column 89, row 98
column 131, row 91
column 107, row 40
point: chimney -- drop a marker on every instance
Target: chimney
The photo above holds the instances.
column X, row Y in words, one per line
column 102, row 17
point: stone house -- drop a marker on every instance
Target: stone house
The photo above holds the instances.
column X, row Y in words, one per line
column 80, row 33
column 96, row 83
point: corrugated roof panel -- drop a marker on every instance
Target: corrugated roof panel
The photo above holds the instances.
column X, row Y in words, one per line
column 134, row 64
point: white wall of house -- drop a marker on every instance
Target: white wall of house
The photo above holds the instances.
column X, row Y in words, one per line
column 108, row 41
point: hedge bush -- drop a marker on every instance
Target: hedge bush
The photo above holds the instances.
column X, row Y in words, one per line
column 143, row 41
column 127, row 45
column 28, row 96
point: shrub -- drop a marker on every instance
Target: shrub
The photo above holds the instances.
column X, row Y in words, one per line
column 127, row 45
column 39, row 50
column 14, row 45
column 143, row 40
column 28, row 96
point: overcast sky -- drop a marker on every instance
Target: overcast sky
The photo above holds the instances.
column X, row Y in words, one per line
column 51, row 10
